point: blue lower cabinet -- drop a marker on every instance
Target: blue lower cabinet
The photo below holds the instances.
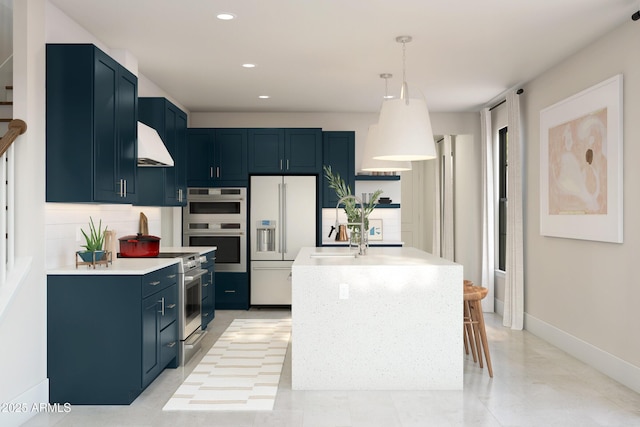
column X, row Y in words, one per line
column 232, row 291
column 106, row 341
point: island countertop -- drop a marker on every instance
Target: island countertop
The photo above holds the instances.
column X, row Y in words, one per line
column 388, row 320
column 379, row 255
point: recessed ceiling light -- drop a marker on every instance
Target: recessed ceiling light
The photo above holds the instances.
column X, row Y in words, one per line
column 249, row 65
column 264, row 97
column 226, row 16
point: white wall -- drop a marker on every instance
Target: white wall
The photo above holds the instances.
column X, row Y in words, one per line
column 581, row 295
column 23, row 360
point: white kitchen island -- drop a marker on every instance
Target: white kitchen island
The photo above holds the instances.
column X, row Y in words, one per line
column 388, row 320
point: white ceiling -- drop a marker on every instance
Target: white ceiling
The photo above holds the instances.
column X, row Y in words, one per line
column 327, row 55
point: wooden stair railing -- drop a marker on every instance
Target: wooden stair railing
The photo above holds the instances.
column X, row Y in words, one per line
column 16, row 128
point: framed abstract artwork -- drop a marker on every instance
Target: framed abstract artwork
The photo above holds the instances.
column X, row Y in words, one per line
column 375, row 229
column 581, row 165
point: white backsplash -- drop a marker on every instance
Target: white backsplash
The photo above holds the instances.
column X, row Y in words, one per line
column 391, row 223
column 64, row 220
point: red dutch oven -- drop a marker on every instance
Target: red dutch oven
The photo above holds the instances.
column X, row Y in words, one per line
column 139, row 245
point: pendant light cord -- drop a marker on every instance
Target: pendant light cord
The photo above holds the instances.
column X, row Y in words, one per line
column 404, row 92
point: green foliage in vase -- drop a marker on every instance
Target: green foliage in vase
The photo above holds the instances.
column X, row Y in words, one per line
column 95, row 239
column 350, row 206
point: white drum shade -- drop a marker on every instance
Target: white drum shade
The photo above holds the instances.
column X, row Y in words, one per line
column 370, row 164
column 404, row 132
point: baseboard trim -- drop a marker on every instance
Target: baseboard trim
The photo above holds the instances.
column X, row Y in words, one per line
column 29, row 403
column 623, row 372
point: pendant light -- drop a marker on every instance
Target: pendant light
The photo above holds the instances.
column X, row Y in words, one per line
column 369, row 164
column 404, row 128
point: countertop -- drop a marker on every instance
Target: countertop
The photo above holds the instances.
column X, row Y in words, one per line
column 380, row 256
column 131, row 266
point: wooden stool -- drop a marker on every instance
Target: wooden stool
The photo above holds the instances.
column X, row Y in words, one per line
column 467, row 325
column 474, row 325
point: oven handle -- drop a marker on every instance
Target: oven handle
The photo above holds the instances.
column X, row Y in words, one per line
column 215, row 233
column 193, row 275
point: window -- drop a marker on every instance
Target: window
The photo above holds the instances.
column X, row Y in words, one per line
column 502, row 195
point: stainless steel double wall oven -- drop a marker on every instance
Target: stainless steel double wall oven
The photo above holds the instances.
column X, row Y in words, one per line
column 218, row 217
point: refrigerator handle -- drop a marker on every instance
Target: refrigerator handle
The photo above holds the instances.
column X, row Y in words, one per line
column 283, row 214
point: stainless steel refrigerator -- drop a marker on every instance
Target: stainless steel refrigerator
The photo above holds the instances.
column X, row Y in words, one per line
column 282, row 220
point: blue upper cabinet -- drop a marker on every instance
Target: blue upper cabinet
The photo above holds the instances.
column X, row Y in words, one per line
column 171, row 124
column 285, row 151
column 217, row 157
column 338, row 151
column 92, row 114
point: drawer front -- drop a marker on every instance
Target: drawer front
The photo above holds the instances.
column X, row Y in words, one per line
column 168, row 344
column 158, row 280
column 231, row 291
column 168, row 305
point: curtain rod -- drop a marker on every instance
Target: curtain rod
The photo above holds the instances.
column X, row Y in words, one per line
column 519, row 92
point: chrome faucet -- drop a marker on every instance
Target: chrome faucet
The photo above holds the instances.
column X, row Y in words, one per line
column 362, row 245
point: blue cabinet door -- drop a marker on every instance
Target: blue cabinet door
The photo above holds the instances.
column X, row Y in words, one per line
column 200, row 162
column 338, row 151
column 127, row 136
column 266, row 150
column 150, row 339
column 230, row 158
column 303, row 150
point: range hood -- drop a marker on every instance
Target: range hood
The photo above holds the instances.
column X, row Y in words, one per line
column 151, row 149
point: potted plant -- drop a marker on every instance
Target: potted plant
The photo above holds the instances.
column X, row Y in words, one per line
column 350, row 205
column 94, row 242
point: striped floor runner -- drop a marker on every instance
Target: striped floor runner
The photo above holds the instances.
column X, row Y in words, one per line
column 240, row 372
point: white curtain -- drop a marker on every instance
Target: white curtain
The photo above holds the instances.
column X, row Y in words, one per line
column 514, row 286
column 443, row 233
column 488, row 210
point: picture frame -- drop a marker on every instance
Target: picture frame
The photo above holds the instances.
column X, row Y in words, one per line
column 581, row 145
column 375, row 229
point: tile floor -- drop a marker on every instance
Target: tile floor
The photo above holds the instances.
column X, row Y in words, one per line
column 534, row 384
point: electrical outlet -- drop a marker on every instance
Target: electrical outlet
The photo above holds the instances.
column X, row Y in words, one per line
column 344, row 291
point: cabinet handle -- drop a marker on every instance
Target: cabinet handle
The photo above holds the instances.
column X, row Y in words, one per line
column 179, row 194
column 125, row 188
column 170, row 306
column 162, row 302
column 172, row 276
column 211, row 276
column 211, row 172
column 205, row 314
column 204, row 285
column 154, row 283
column 217, row 171
column 230, row 291
column 171, row 344
column 280, row 164
column 287, row 164
column 121, row 190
